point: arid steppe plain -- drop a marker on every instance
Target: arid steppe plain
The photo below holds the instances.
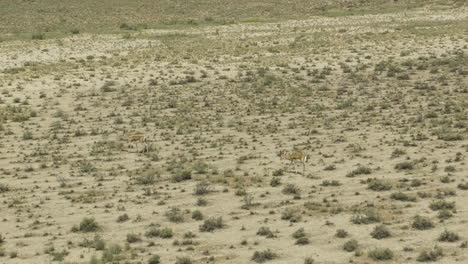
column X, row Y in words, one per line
column 375, row 92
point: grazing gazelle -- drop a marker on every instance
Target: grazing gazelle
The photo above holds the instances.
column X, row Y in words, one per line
column 295, row 156
column 136, row 138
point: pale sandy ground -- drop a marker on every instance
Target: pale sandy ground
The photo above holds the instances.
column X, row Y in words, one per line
column 219, row 119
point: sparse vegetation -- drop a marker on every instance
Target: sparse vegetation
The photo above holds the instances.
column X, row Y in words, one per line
column 156, row 131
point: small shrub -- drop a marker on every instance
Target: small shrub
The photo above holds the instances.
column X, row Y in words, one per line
column 133, row 238
column 400, row 196
column 183, row 260
column 162, row 233
column 278, row 172
column 444, row 214
column 422, row 223
column 148, row 178
column 302, row 241
column 461, row 186
column 155, row 259
column 38, row 36
column 182, row 175
column 263, row 256
column 202, row 188
column 430, row 255
column 291, row 189
column 442, row 205
column 4, row 188
column 368, row 216
column 406, row 165
column 27, row 135
column 359, row 171
column 299, row 233
column 166, row 232
column 212, row 224
column 197, row 215
column 379, row 254
column 111, row 253
column 378, row 185
column 291, row 214
column 448, row 236
column 350, row 245
column 380, row 232
column 341, row 233
column 87, row 225
column 265, row 231
column 175, row 215
column 122, row 218
column 275, row 182
column 330, row 183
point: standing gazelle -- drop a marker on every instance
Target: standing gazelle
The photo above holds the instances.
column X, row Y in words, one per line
column 136, row 138
column 295, row 156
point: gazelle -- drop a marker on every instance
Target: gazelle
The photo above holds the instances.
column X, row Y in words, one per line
column 136, row 138
column 295, row 156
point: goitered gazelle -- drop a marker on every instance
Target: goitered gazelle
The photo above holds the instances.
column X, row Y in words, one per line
column 136, row 138
column 295, row 156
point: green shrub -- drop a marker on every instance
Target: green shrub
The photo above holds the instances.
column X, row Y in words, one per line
column 4, row 188
column 133, row 238
column 263, row 256
column 166, row 232
column 406, row 165
column 400, row 196
column 359, row 171
column 442, row 205
column 444, row 214
column 291, row 189
column 378, row 185
column 367, row 216
column 155, row 259
column 341, row 233
column 448, row 236
column 181, row 175
column 291, row 214
column 430, row 255
column 350, row 245
column 183, row 260
column 197, row 215
column 278, row 172
column 299, row 233
column 379, row 254
column 175, row 215
column 302, row 241
column 212, row 224
column 38, row 36
column 112, row 254
column 202, row 188
column 87, row 225
column 122, row 218
column 265, row 231
column 275, row 181
column 380, row 232
column 422, row 223
column 147, row 178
